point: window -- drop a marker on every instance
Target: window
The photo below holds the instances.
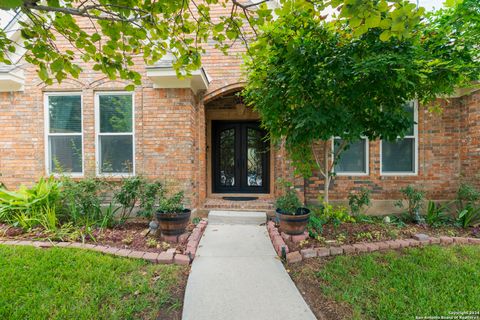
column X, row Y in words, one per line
column 64, row 138
column 354, row 159
column 400, row 157
column 115, row 133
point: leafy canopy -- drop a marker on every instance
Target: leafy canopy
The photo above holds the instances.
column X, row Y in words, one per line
column 311, row 80
column 109, row 34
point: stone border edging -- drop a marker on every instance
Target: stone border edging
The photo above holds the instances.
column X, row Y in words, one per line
column 165, row 257
column 419, row 240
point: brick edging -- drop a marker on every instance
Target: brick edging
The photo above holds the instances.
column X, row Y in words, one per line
column 165, row 257
column 297, row 256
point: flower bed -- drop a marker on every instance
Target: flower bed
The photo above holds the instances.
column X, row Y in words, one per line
column 112, row 241
column 300, row 248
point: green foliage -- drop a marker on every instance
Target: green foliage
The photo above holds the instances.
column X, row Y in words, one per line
column 333, row 214
column 115, row 34
column 172, row 204
column 288, row 202
column 437, row 214
column 467, row 195
column 149, row 197
column 312, row 79
column 414, row 199
column 469, row 216
column 31, row 207
column 128, row 194
column 315, row 226
column 196, row 220
column 82, row 202
column 357, row 201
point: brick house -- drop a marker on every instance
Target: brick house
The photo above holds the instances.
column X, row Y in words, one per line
column 197, row 134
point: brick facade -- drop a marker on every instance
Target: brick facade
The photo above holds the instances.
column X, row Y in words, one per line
column 172, row 137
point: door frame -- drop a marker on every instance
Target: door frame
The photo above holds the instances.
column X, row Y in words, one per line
column 240, row 144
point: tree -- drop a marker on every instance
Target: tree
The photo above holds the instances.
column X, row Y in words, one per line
column 311, row 80
column 113, row 32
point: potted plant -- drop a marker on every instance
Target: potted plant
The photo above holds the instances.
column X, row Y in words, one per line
column 293, row 217
column 172, row 217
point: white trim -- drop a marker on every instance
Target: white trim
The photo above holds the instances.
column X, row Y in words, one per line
column 98, row 134
column 415, row 137
column 166, row 78
column 47, row 133
column 367, row 161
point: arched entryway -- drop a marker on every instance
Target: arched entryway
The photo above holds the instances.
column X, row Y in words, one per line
column 238, row 156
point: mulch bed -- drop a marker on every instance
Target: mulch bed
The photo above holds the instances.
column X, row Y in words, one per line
column 310, row 286
column 130, row 235
column 350, row 233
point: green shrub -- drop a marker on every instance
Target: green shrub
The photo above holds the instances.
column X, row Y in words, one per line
column 82, row 202
column 357, row 201
column 150, row 195
column 469, row 216
column 172, row 204
column 31, row 207
column 289, row 201
column 332, row 214
column 414, row 198
column 436, row 214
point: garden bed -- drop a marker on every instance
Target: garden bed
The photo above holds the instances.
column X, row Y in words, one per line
column 350, row 233
column 128, row 240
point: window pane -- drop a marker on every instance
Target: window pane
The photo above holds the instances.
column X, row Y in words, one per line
column 66, row 154
column 398, row 156
column 116, row 154
column 410, row 107
column 353, row 158
column 65, row 114
column 115, row 113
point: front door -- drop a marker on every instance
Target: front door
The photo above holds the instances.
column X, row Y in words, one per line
column 240, row 157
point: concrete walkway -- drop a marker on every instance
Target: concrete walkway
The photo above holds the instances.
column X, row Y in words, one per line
column 236, row 274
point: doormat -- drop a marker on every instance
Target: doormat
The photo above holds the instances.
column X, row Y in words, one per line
column 240, row 198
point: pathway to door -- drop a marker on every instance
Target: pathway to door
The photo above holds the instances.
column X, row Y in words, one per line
column 236, row 274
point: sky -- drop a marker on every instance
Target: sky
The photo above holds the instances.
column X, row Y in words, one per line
column 5, row 16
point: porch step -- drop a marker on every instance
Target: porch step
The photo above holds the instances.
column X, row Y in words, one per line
column 237, row 217
column 252, row 205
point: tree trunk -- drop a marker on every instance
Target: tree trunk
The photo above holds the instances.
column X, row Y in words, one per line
column 326, row 171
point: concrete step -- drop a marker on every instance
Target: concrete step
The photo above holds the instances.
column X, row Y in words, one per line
column 237, row 217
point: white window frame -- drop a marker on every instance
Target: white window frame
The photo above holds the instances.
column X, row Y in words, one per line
column 46, row 114
column 415, row 138
column 357, row 173
column 98, row 134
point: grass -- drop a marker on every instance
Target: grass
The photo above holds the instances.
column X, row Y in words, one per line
column 61, row 283
column 430, row 281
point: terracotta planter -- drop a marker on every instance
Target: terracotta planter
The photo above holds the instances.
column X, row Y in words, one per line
column 173, row 224
column 293, row 224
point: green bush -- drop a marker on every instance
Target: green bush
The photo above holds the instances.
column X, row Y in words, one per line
column 437, row 214
column 172, row 204
column 31, row 207
column 332, row 214
column 358, row 200
column 289, row 201
column 414, row 198
column 467, row 194
column 82, row 202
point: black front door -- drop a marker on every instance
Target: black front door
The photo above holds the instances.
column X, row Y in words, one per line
column 241, row 157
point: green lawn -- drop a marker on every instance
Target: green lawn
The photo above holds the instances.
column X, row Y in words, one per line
column 60, row 283
column 431, row 281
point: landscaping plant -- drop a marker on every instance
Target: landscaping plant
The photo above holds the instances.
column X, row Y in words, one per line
column 172, row 204
column 437, row 214
column 289, row 201
column 468, row 208
column 31, row 207
column 311, row 78
column 414, row 199
column 357, row 201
